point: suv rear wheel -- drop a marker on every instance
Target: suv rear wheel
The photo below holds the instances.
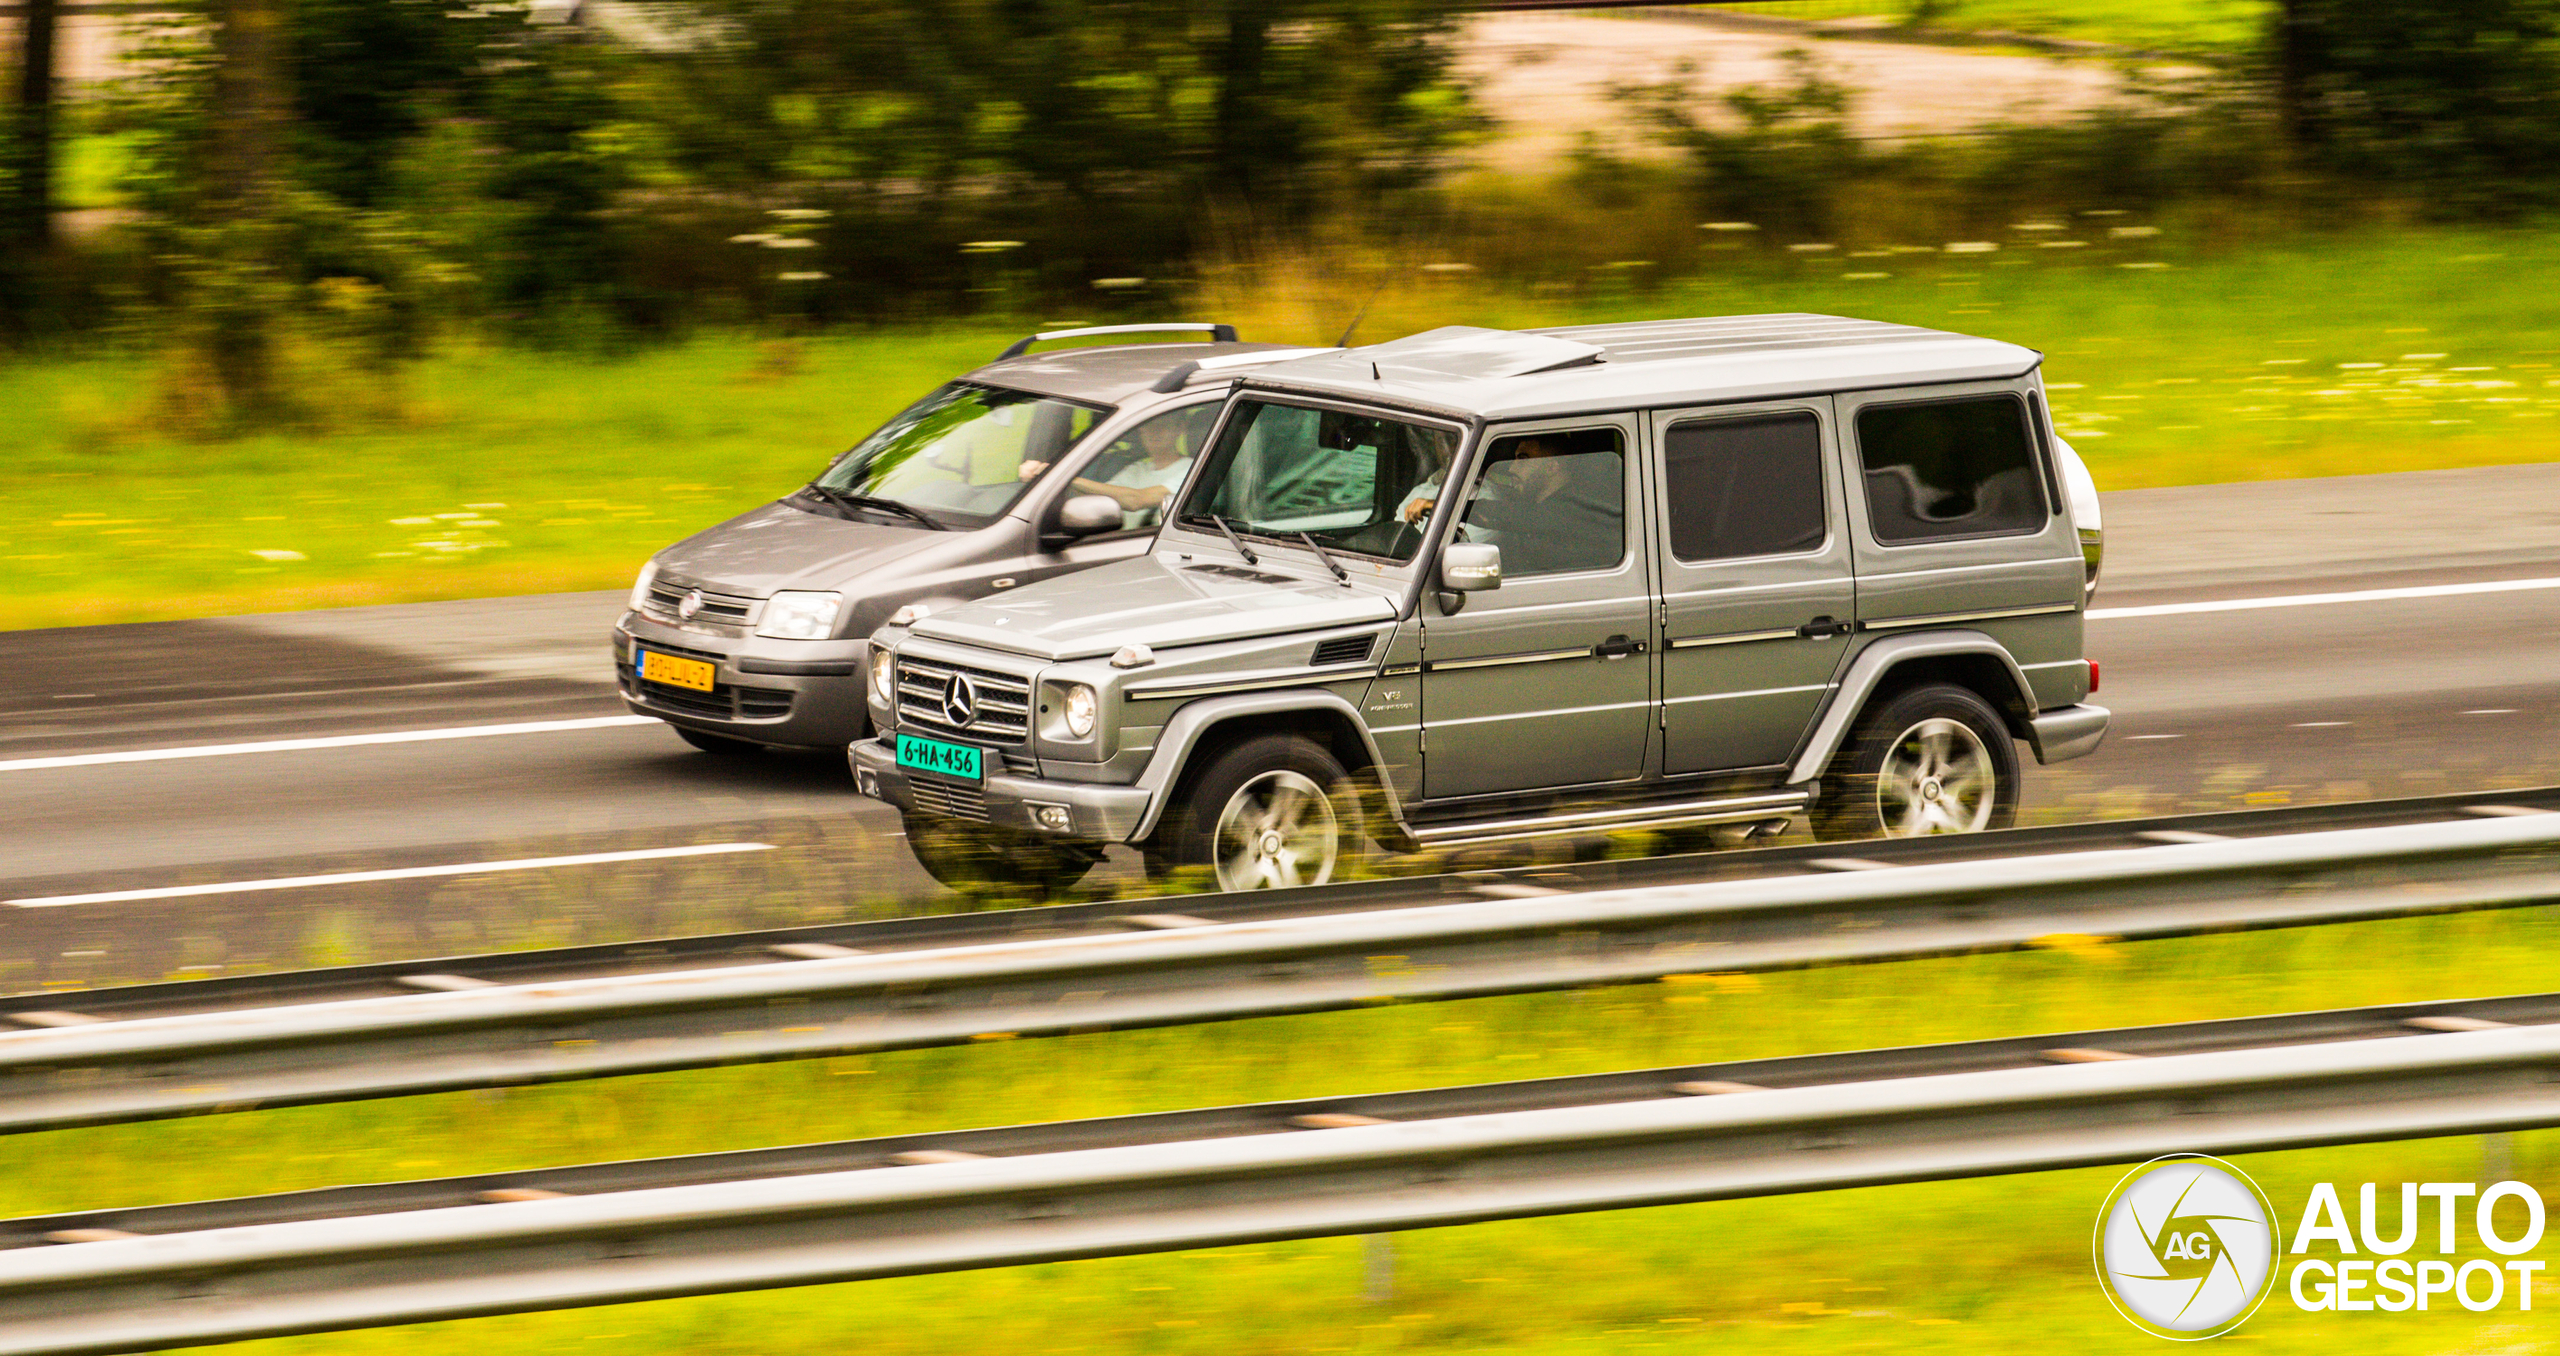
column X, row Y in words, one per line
column 1274, row 811
column 1935, row 759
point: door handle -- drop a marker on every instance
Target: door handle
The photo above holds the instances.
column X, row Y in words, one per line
column 1617, row 647
column 1820, row 627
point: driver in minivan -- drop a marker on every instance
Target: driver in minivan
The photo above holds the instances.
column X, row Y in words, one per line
column 1142, row 483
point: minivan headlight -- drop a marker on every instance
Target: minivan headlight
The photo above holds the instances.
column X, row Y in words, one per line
column 640, row 586
column 800, row 616
column 884, row 675
column 1080, row 708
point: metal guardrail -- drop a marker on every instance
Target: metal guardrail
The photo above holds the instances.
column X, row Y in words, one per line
column 1349, row 1174
column 660, row 955
column 98, row 1072
column 1288, row 1117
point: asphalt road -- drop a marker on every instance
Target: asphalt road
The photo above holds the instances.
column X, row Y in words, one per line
column 2215, row 709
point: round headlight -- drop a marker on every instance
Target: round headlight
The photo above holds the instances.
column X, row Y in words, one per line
column 1080, row 709
column 884, row 675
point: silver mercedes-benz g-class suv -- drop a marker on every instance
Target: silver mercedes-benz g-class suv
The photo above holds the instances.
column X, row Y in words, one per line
column 751, row 633
column 1476, row 585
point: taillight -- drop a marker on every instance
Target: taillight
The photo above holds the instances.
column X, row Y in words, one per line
column 2093, row 677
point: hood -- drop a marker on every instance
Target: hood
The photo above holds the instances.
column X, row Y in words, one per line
column 1159, row 601
column 780, row 547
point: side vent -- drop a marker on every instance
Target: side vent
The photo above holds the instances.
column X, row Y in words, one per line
column 1344, row 650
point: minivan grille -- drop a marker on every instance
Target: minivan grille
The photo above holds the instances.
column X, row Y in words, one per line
column 996, row 706
column 1344, row 650
column 666, row 603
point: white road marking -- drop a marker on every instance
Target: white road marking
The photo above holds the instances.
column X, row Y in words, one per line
column 326, row 742
column 2317, row 599
column 2492, row 711
column 403, row 873
column 2174, row 736
column 2320, row 724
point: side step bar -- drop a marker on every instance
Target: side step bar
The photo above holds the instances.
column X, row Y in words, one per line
column 1726, row 810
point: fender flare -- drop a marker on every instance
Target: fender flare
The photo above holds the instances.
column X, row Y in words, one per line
column 1183, row 733
column 1868, row 671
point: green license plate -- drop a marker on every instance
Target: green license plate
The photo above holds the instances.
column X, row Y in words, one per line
column 932, row 755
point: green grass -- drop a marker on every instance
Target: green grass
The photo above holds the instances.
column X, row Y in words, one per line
column 1967, row 1266
column 507, row 471
column 2201, row 26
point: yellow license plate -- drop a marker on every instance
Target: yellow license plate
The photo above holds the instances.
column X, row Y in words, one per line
column 676, row 672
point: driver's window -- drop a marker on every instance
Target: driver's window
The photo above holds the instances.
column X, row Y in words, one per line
column 1142, row 468
column 1555, row 503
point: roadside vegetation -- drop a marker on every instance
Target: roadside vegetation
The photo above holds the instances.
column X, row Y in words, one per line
column 508, row 470
column 1965, row 1266
column 2222, row 28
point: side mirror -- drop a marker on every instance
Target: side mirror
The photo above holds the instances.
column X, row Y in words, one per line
column 1470, row 567
column 1083, row 516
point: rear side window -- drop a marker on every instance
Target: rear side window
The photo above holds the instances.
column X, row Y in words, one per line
column 1949, row 468
column 1744, row 487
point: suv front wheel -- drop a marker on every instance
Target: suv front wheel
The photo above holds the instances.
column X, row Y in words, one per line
column 1935, row 759
column 1274, row 811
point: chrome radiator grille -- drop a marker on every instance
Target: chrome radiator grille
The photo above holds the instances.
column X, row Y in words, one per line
column 666, row 604
column 963, row 702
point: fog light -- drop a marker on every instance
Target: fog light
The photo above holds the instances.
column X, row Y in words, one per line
column 867, row 782
column 1054, row 818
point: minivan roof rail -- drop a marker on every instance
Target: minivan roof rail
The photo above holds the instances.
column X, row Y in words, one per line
column 1218, row 334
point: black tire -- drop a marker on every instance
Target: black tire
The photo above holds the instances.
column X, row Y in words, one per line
column 1933, row 759
column 979, row 859
column 719, row 744
column 1273, row 811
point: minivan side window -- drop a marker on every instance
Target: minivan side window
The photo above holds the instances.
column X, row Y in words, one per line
column 1744, row 487
column 1949, row 468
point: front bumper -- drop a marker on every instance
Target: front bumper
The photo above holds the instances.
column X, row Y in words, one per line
column 806, row 694
column 1095, row 813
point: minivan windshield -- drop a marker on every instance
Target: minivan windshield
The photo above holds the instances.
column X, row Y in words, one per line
column 960, row 456
column 1355, row 482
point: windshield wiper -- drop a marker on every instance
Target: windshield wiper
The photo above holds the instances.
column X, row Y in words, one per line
column 873, row 502
column 1326, row 556
column 1232, row 539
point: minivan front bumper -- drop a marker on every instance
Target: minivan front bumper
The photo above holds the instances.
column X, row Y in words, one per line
column 1094, row 813
column 804, row 694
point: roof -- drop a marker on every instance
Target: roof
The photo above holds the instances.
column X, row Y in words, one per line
column 1106, row 374
column 1514, row 374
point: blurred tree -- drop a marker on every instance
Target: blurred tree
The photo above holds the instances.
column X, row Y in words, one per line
column 369, row 75
column 2461, row 96
column 1100, row 129
column 30, row 140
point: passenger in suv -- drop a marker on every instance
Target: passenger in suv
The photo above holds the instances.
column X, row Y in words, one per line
column 1036, row 465
column 1687, row 572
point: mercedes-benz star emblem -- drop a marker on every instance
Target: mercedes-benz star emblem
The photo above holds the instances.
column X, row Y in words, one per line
column 960, row 701
column 690, row 604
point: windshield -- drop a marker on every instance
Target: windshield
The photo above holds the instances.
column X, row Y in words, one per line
column 963, row 453
column 1356, row 482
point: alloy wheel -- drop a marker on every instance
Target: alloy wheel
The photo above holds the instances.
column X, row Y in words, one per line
column 1937, row 778
column 1278, row 829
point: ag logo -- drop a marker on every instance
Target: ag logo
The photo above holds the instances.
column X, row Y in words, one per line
column 2185, row 1250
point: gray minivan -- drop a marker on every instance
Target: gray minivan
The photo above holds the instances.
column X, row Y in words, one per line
column 751, row 633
